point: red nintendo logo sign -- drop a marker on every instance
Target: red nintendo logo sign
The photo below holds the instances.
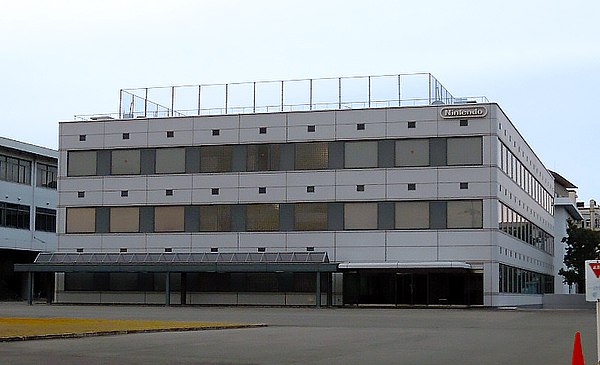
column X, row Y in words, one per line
column 595, row 266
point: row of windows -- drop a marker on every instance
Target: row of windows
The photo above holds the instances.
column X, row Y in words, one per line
column 18, row 170
column 513, row 167
column 278, row 217
column 518, row 226
column 515, row 280
column 196, row 282
column 17, row 216
column 279, row 157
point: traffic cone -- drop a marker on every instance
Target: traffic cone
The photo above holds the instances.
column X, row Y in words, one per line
column 577, row 351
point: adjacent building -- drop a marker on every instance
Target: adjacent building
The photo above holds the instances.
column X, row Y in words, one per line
column 590, row 214
column 417, row 198
column 28, row 176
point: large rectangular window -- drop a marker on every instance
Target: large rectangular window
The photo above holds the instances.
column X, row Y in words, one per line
column 81, row 220
column 170, row 160
column 124, row 219
column 465, row 214
column 412, row 152
column 45, row 219
column 262, row 157
column 310, row 216
column 15, row 170
column 81, row 163
column 360, row 216
column 262, row 217
column 46, row 176
column 312, row 156
column 14, row 216
column 215, row 218
column 125, row 162
column 360, row 154
column 412, row 215
column 465, row 151
column 169, row 219
column 216, row 158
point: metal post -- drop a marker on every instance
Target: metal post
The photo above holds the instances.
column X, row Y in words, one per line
column 598, row 328
column 183, row 288
column 172, row 100
column 329, row 289
column 168, row 289
column 281, row 95
column 146, row 103
column 310, row 97
column 29, row 288
column 369, row 91
column 429, row 101
column 399, row 91
column 318, row 294
column 339, row 93
column 254, row 98
column 120, row 103
column 226, row 96
column 199, row 94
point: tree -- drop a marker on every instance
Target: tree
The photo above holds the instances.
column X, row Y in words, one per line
column 582, row 244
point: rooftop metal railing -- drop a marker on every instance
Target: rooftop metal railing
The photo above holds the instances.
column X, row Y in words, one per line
column 336, row 93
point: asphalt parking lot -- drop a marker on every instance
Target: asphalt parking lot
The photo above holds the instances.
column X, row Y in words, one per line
column 316, row 336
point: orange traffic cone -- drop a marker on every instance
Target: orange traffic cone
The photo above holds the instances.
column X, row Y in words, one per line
column 577, row 351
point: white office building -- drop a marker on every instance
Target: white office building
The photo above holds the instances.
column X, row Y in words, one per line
column 395, row 192
column 28, row 196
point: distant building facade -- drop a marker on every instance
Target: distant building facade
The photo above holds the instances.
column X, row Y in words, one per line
column 28, row 177
column 591, row 215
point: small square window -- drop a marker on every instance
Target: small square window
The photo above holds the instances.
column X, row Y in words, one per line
column 125, row 135
column 262, row 130
column 311, row 128
column 81, row 194
column 82, row 138
column 216, row 132
column 465, row 185
column 214, row 191
column 214, row 249
column 124, row 193
column 79, row 250
column 310, row 189
column 412, row 124
column 170, row 134
column 412, row 186
column 262, row 190
column 122, row 249
column 360, row 126
column 169, row 192
column 310, row 249
column 262, row 249
column 464, row 122
column 168, row 249
column 360, row 188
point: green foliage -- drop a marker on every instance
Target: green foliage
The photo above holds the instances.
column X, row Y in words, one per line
column 582, row 244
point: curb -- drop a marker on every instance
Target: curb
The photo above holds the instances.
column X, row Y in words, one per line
column 124, row 332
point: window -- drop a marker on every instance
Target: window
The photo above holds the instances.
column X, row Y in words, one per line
column 45, row 219
column 81, row 220
column 262, row 217
column 312, row 156
column 465, row 214
column 81, row 163
column 125, row 162
column 14, row 216
column 412, row 215
column 412, row 152
column 263, row 157
column 15, row 170
column 215, row 218
column 215, row 158
column 124, row 219
column 360, row 216
column 169, row 219
column 412, row 124
column 46, row 176
column 360, row 154
column 465, row 151
column 310, row 216
column 170, row 160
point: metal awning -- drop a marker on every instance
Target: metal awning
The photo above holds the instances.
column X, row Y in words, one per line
column 181, row 262
column 406, row 265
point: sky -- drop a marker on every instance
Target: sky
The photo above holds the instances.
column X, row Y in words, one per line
column 540, row 60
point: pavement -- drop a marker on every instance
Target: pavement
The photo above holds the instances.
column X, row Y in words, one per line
column 316, row 336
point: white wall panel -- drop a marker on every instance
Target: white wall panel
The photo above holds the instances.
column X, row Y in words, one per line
column 407, row 238
column 71, row 242
column 72, row 142
column 360, row 116
column 205, row 137
column 371, row 131
column 92, row 198
column 171, row 124
column 360, row 176
column 125, row 183
column 180, row 196
column 133, row 242
column 401, row 192
column 422, row 129
column 316, row 118
column 409, row 114
column 273, row 135
column 254, row 121
column 180, row 138
column 171, row 181
column 204, row 195
column 111, row 197
column 414, row 254
column 222, row 122
column 161, row 241
column 136, row 140
column 306, row 178
column 215, row 181
column 255, row 179
column 202, row 242
column 252, row 195
column 272, row 241
column 321, row 193
column 411, row 175
column 301, row 133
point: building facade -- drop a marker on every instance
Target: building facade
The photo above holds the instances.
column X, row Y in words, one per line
column 440, row 202
column 590, row 214
column 28, row 176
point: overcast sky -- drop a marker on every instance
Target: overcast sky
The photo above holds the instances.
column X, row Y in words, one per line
column 540, row 60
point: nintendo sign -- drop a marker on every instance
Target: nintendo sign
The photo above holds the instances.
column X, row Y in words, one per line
column 463, row 112
column 592, row 280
